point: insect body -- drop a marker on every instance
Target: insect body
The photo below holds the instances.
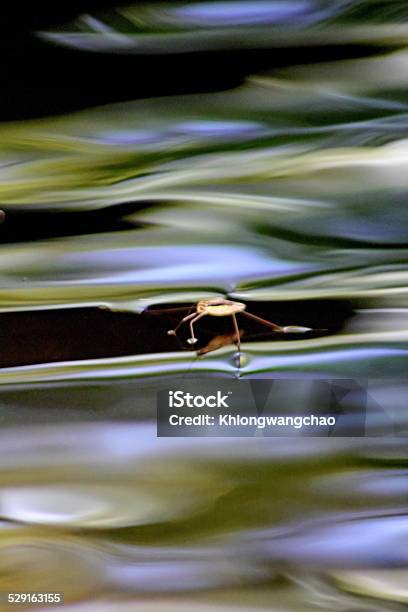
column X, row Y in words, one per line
column 219, row 307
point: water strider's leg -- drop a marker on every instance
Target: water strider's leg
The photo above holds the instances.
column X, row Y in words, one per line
column 263, row 321
column 287, row 329
column 193, row 339
column 173, row 332
column 234, row 318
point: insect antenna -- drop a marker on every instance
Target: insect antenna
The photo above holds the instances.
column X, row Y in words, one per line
column 160, row 311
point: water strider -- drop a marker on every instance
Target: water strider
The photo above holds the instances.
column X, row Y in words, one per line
column 219, row 307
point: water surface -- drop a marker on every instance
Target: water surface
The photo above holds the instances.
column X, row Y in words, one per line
column 288, row 193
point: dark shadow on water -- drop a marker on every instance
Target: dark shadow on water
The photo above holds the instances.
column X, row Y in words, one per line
column 92, row 333
column 28, row 225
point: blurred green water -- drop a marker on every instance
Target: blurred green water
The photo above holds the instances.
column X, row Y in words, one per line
column 290, row 187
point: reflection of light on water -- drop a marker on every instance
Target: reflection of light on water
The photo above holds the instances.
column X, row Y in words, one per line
column 388, row 584
column 100, row 506
column 74, row 529
column 358, row 542
column 241, row 12
column 234, row 24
